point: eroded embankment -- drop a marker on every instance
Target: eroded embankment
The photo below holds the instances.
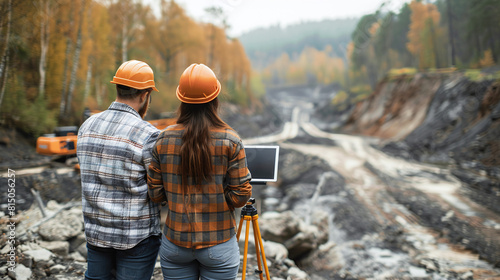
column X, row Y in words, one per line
column 444, row 119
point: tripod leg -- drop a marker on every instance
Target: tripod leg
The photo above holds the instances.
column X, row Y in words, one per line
column 257, row 233
column 257, row 245
column 239, row 229
column 247, row 233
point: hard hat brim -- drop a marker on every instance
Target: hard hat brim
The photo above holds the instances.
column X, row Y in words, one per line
column 134, row 84
column 205, row 99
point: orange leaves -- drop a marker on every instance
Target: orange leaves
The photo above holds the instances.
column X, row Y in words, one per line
column 487, row 59
column 423, row 34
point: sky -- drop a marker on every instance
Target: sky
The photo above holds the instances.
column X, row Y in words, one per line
column 245, row 15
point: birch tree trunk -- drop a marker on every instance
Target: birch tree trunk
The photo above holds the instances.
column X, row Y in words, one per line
column 69, row 46
column 44, row 43
column 76, row 59
column 4, row 62
column 124, row 39
column 86, row 92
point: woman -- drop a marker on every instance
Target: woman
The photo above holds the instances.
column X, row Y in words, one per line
column 199, row 168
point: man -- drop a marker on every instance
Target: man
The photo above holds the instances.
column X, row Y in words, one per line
column 122, row 226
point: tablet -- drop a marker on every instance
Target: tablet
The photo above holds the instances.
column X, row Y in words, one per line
column 263, row 162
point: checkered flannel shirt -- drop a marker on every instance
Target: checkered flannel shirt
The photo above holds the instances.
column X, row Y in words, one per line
column 114, row 151
column 204, row 216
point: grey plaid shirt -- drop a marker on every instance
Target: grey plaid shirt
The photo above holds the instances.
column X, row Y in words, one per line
column 114, row 152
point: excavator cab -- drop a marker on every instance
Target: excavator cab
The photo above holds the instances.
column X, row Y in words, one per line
column 62, row 142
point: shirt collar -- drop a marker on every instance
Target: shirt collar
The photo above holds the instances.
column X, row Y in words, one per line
column 123, row 107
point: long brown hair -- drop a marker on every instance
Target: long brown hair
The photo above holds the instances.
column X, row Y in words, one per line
column 197, row 119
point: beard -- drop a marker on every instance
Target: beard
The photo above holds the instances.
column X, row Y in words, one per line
column 144, row 109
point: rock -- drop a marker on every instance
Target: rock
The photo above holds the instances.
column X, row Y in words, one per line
column 26, row 261
column 417, row 272
column 64, row 226
column 82, row 249
column 58, row 268
column 295, row 273
column 21, row 273
column 52, row 205
column 279, row 227
column 301, row 244
column 39, row 273
column 275, row 251
column 77, row 257
column 326, row 258
column 319, row 218
column 39, row 255
column 76, row 241
column 3, row 270
column 429, row 264
column 289, row 262
column 5, row 249
column 467, row 276
column 305, row 241
column 60, row 248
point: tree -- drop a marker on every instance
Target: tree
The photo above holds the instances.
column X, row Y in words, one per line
column 422, row 35
column 4, row 62
column 69, row 46
column 450, row 31
column 216, row 14
column 172, row 34
column 483, row 25
column 45, row 16
column 76, row 58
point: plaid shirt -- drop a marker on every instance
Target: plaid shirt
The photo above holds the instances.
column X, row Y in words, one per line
column 114, row 151
column 204, row 216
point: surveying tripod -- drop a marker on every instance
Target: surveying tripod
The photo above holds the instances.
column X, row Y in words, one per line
column 249, row 213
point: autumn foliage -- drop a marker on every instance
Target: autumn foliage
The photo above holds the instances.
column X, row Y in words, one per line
column 61, row 55
column 420, row 36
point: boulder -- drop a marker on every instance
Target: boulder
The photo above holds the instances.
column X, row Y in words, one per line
column 326, row 258
column 58, row 268
column 77, row 257
column 279, row 227
column 39, row 255
column 60, row 248
column 308, row 239
column 21, row 273
column 295, row 273
column 82, row 249
column 275, row 251
column 64, row 226
column 76, row 241
column 301, row 244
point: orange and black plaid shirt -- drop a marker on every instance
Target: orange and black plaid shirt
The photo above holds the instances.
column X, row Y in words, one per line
column 200, row 216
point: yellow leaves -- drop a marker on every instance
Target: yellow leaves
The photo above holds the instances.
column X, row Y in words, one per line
column 423, row 33
column 311, row 65
column 111, row 31
column 487, row 59
column 374, row 28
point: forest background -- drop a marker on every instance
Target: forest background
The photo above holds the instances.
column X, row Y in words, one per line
column 57, row 57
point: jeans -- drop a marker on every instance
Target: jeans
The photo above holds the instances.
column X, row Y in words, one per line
column 135, row 263
column 219, row 262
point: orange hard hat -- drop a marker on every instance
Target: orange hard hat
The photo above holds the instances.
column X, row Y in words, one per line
column 198, row 85
column 135, row 74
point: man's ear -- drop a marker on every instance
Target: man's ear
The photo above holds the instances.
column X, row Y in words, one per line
column 143, row 96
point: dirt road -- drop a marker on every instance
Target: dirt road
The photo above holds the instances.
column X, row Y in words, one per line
column 443, row 228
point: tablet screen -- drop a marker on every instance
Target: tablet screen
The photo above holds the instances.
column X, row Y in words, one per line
column 263, row 162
